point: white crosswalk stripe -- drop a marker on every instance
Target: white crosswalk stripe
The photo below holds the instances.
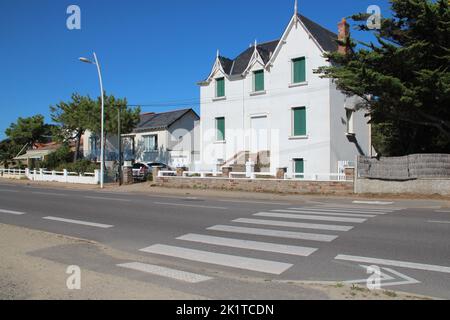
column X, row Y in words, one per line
column 259, row 265
column 251, row 245
column 165, row 272
column 339, row 206
column 309, row 217
column 275, row 233
column 294, row 224
column 284, row 221
column 337, row 214
column 343, row 211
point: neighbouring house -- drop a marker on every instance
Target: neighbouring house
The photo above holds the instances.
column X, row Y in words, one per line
column 168, row 137
column 268, row 107
column 33, row 157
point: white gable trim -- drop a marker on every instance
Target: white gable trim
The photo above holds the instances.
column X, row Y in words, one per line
column 217, row 67
column 295, row 21
column 256, row 58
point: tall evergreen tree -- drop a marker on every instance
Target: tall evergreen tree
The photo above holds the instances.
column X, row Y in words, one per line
column 403, row 78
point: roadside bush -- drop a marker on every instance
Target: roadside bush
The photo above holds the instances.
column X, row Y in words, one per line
column 62, row 155
column 81, row 166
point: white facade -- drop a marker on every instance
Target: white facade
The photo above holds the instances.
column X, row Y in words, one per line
column 264, row 121
column 176, row 145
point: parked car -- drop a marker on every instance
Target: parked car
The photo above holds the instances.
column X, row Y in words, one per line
column 142, row 170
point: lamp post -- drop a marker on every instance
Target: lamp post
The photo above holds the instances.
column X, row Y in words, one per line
column 119, row 138
column 102, row 148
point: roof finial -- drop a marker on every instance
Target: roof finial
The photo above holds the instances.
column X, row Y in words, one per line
column 256, row 43
column 296, row 7
column 218, row 53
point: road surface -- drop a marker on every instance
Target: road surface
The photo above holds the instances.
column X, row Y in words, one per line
column 208, row 246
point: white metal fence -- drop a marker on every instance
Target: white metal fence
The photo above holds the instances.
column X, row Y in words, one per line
column 52, row 176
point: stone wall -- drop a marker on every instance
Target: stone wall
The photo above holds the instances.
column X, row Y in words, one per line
column 418, row 186
column 259, row 185
column 410, row 167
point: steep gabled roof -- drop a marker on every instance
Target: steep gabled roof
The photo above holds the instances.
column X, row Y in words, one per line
column 159, row 121
column 326, row 39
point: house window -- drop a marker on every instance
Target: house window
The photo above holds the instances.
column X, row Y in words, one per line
column 258, row 78
column 220, row 87
column 220, row 129
column 350, row 121
column 151, row 143
column 299, row 70
column 93, row 144
column 299, row 122
column 299, row 168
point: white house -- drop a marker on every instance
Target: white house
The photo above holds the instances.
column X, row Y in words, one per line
column 268, row 106
column 169, row 137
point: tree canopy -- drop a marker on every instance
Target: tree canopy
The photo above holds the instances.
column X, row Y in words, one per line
column 403, row 79
column 29, row 131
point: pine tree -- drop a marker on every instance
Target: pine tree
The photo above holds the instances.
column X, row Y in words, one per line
column 403, row 78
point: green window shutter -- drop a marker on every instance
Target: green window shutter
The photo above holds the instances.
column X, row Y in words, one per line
column 299, row 70
column 259, row 80
column 299, row 166
column 220, row 126
column 220, row 87
column 300, row 121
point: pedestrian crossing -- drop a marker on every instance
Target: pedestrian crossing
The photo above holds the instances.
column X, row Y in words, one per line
column 322, row 223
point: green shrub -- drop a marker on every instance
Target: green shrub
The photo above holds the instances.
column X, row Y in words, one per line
column 62, row 155
column 81, row 166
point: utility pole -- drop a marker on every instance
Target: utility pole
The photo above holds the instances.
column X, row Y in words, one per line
column 119, row 141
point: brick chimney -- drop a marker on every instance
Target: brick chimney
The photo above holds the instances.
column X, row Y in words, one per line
column 344, row 36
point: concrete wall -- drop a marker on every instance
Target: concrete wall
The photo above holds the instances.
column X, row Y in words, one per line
column 419, row 186
column 260, row 185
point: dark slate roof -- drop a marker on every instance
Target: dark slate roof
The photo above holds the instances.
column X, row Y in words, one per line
column 157, row 121
column 325, row 38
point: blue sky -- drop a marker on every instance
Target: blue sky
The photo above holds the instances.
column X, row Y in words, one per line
column 152, row 51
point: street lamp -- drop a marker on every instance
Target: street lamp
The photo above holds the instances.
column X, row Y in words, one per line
column 102, row 143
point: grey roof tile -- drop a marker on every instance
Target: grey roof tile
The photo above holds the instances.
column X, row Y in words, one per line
column 325, row 38
column 155, row 121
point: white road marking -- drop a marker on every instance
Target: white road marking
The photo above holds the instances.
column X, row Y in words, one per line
column 442, row 211
column 108, row 199
column 441, row 222
column 17, row 213
column 275, row 233
column 189, row 205
column 309, row 217
column 385, row 277
column 381, row 203
column 50, row 194
column 294, row 224
column 337, row 214
column 166, row 272
column 85, row 223
column 343, row 210
column 265, row 266
column 7, row 190
column 395, row 263
column 251, row 245
column 340, row 206
column 257, row 202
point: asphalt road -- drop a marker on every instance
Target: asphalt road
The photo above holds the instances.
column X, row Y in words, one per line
column 208, row 246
